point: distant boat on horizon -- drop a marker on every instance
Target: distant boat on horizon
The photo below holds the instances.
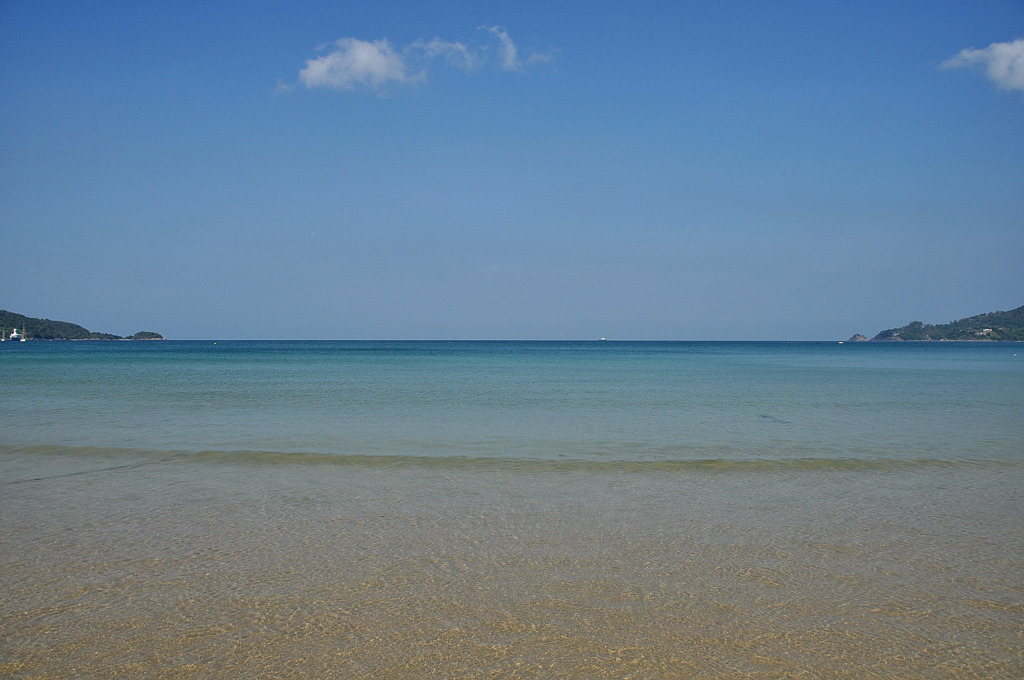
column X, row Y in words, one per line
column 16, row 336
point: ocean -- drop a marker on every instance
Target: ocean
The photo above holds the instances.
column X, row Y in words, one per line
column 240, row 509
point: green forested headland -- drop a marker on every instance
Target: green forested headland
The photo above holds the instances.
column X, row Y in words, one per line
column 1006, row 326
column 45, row 329
column 993, row 326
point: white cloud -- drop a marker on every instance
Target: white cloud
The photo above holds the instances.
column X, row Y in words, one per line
column 1003, row 62
column 357, row 62
column 352, row 62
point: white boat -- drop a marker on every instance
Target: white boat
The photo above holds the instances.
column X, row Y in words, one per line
column 16, row 336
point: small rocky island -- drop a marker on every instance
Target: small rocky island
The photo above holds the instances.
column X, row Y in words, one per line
column 30, row 328
column 994, row 326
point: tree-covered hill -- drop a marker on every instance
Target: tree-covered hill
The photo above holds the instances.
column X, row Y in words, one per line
column 992, row 326
column 45, row 329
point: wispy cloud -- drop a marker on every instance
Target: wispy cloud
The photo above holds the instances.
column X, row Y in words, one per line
column 351, row 63
column 1003, row 63
column 454, row 53
column 508, row 53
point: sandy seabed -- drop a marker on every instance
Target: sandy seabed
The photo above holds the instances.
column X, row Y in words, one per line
column 180, row 567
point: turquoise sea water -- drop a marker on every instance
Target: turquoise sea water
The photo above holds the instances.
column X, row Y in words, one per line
column 598, row 401
column 511, row 509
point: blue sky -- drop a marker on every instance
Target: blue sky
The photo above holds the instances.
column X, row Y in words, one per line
column 534, row 170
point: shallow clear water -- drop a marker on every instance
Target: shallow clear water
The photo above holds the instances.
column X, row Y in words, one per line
column 577, row 510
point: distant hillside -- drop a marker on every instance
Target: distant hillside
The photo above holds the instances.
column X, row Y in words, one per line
column 992, row 326
column 45, row 329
